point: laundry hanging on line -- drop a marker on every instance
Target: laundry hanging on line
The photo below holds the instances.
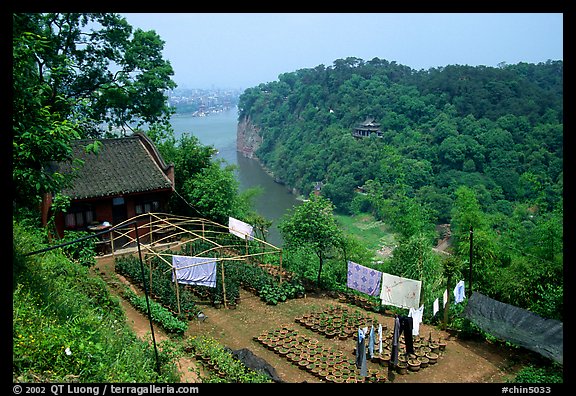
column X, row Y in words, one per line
column 417, row 316
column 400, row 292
column 435, row 307
column 240, row 229
column 199, row 271
column 363, row 279
column 361, row 351
column 402, row 324
column 459, row 292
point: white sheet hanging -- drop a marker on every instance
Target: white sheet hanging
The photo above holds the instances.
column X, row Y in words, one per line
column 200, row 271
column 240, row 229
column 400, row 292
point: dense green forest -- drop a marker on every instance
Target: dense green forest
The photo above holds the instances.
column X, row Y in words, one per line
column 496, row 130
column 478, row 147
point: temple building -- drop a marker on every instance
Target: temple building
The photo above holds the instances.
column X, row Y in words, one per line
column 367, row 128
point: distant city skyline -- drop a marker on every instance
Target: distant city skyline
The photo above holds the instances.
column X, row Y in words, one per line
column 238, row 51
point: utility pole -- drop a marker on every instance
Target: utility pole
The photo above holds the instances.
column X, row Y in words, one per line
column 470, row 274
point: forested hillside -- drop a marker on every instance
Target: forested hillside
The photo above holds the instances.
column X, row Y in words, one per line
column 480, row 148
column 497, row 130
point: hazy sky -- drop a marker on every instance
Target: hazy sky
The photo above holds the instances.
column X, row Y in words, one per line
column 236, row 50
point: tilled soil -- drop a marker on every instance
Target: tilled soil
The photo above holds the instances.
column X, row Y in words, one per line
column 463, row 361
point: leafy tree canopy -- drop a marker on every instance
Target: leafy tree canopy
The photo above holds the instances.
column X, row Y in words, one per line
column 73, row 74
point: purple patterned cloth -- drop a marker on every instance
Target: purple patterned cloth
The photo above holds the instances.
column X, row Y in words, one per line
column 364, row 279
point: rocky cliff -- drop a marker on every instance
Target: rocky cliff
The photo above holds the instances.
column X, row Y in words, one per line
column 248, row 137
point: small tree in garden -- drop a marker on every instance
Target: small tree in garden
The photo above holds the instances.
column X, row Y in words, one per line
column 312, row 224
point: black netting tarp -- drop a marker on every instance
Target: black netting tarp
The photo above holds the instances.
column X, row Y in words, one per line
column 256, row 363
column 517, row 325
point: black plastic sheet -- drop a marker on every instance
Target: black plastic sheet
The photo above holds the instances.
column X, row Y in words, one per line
column 517, row 326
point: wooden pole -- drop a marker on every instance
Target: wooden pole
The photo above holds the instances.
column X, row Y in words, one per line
column 280, row 267
column 150, row 271
column 470, row 274
column 150, row 224
column 177, row 289
column 112, row 244
column 447, row 306
column 223, row 284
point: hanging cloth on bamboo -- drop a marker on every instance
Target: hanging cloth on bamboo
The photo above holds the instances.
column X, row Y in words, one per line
column 363, row 279
column 361, row 351
column 402, row 325
column 380, row 338
column 406, row 324
column 445, row 298
column 459, row 292
column 200, row 271
column 240, row 229
column 400, row 292
column 371, row 342
column 395, row 341
column 416, row 315
column 435, row 307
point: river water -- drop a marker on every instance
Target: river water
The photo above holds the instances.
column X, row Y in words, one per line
column 219, row 130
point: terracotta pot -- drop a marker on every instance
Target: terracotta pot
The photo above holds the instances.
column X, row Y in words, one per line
column 316, row 370
column 323, row 373
column 442, row 345
column 385, row 359
column 432, row 357
column 262, row 337
column 402, row 368
column 423, row 361
column 414, row 364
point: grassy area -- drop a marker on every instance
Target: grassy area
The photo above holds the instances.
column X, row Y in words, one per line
column 67, row 327
column 371, row 232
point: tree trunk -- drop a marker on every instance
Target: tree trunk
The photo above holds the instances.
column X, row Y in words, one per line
column 321, row 258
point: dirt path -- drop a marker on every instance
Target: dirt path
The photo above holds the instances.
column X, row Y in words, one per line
column 140, row 323
column 461, row 362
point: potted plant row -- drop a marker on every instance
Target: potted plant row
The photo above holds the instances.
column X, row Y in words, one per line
column 310, row 355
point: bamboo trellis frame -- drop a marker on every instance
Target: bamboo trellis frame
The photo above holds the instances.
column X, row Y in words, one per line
column 159, row 223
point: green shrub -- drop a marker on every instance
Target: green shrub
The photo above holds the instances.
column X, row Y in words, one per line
column 82, row 252
column 539, row 375
column 159, row 314
column 67, row 327
column 224, row 367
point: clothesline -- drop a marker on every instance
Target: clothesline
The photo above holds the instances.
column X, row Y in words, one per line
column 395, row 290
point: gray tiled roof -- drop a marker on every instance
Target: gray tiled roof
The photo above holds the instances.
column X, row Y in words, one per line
column 122, row 166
